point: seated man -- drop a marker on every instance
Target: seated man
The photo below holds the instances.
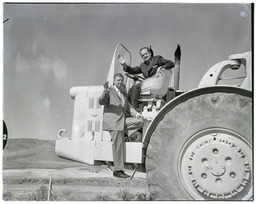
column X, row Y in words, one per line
column 148, row 68
column 116, row 120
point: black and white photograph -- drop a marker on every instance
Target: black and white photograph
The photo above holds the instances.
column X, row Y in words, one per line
column 118, row 101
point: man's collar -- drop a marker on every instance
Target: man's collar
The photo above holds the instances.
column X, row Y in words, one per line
column 116, row 89
column 149, row 61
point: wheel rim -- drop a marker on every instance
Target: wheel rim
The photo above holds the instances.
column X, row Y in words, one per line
column 216, row 164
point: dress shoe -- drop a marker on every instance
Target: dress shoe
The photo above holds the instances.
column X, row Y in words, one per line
column 120, row 174
column 124, row 174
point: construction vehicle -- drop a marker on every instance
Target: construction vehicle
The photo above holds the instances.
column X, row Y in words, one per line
column 197, row 144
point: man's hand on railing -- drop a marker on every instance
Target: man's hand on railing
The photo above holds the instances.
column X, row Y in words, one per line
column 139, row 116
column 160, row 69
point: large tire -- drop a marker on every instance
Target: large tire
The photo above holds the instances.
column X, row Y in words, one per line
column 181, row 149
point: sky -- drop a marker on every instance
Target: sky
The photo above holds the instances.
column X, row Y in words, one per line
column 49, row 48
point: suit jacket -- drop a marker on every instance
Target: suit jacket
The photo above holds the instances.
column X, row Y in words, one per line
column 114, row 113
column 150, row 69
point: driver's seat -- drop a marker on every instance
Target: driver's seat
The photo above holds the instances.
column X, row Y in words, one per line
column 157, row 85
column 152, row 91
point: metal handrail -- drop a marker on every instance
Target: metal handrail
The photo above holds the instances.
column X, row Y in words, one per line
column 230, row 78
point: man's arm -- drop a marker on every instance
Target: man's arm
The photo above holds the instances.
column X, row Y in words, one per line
column 103, row 99
column 131, row 70
column 164, row 63
column 134, row 113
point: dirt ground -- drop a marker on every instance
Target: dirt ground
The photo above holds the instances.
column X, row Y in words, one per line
column 75, row 184
column 29, row 164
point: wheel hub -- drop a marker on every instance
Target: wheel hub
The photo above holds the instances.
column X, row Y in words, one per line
column 216, row 165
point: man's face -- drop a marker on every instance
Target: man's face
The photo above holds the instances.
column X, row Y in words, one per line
column 119, row 82
column 145, row 54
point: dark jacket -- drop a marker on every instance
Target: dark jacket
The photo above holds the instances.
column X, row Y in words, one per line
column 149, row 70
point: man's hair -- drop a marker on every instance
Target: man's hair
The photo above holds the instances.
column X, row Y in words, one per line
column 143, row 48
column 118, row 75
column 148, row 49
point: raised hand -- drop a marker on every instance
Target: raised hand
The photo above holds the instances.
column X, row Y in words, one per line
column 106, row 86
column 121, row 59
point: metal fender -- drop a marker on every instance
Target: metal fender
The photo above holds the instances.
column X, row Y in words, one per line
column 185, row 96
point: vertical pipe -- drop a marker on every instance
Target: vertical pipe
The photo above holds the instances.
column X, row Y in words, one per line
column 176, row 72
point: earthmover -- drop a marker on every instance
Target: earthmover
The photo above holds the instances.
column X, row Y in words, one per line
column 197, row 144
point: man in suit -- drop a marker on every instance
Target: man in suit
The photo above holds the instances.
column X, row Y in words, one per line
column 151, row 65
column 117, row 119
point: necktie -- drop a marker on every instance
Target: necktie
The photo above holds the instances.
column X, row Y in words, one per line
column 122, row 98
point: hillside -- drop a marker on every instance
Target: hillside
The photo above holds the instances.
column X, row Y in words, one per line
column 34, row 153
